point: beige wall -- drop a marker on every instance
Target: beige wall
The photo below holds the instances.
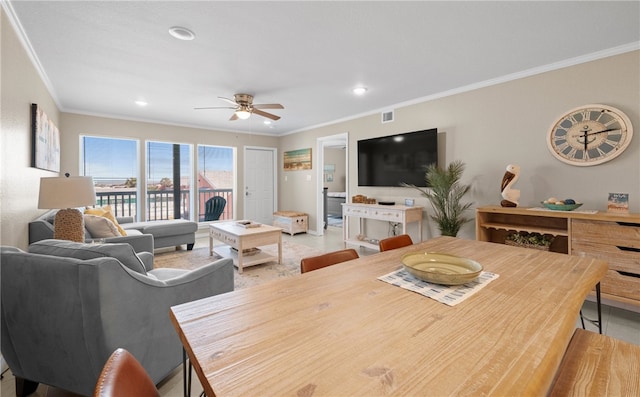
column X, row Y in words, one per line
column 335, row 157
column 491, row 127
column 21, row 86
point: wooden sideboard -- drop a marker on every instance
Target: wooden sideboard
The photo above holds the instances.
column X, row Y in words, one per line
column 400, row 214
column 612, row 237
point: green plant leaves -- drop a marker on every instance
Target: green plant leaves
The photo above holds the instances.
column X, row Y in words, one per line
column 445, row 195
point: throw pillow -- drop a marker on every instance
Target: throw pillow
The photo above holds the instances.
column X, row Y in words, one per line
column 69, row 249
column 106, row 212
column 100, row 227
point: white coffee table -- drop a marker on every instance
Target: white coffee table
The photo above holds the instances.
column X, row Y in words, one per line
column 242, row 239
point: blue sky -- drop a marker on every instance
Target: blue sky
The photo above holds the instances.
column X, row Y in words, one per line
column 116, row 158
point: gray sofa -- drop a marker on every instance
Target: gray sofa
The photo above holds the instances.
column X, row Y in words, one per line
column 67, row 306
column 143, row 236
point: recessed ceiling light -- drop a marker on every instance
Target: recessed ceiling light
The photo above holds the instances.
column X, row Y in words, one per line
column 360, row 90
column 267, row 122
column 181, row 33
column 141, row 103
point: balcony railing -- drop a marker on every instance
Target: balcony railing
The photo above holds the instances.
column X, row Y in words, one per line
column 160, row 203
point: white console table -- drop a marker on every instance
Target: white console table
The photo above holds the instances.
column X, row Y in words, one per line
column 390, row 213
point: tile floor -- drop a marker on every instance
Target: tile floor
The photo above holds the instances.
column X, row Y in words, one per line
column 617, row 322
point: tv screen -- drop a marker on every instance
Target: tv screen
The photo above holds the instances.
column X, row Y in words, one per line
column 391, row 160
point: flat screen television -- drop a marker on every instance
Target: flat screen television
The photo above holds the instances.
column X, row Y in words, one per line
column 391, row 160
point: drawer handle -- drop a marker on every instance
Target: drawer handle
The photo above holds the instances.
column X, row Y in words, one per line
column 628, row 249
column 628, row 274
column 628, row 224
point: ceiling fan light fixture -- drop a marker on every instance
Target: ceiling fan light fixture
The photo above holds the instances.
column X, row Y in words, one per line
column 243, row 114
column 181, row 33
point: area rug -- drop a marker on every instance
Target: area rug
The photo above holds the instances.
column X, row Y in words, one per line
column 291, row 255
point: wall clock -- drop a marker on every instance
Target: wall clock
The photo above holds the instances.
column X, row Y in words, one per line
column 590, row 135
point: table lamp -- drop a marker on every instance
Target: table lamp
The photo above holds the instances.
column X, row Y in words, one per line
column 65, row 194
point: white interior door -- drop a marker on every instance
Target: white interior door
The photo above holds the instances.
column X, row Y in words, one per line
column 260, row 184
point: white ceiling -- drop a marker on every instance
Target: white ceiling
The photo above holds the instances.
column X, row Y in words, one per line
column 98, row 57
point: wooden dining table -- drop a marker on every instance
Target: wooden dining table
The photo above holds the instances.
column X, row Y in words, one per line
column 339, row 331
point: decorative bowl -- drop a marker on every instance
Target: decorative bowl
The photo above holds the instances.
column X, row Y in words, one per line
column 561, row 207
column 441, row 268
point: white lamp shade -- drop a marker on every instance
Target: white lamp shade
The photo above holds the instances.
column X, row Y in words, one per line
column 243, row 114
column 66, row 192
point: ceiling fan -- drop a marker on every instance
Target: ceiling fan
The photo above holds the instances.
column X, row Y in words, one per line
column 244, row 107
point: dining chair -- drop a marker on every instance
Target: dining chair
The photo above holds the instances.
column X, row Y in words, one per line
column 122, row 375
column 328, row 259
column 391, row 243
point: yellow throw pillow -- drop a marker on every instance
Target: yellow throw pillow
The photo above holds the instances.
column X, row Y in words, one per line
column 106, row 212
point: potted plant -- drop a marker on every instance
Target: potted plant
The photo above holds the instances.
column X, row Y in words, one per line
column 445, row 193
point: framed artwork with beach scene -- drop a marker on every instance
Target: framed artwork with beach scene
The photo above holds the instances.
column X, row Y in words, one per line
column 45, row 151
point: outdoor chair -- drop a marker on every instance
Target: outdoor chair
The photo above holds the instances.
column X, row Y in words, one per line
column 214, row 208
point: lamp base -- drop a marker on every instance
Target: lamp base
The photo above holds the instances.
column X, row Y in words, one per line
column 69, row 225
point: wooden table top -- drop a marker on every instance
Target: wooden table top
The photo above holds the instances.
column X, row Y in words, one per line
column 339, row 331
column 233, row 228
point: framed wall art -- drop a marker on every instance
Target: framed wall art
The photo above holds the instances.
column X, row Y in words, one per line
column 45, row 149
column 297, row 160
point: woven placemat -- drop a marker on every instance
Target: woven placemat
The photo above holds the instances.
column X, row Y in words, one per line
column 450, row 295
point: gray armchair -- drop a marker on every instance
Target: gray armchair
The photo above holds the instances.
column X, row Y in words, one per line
column 63, row 316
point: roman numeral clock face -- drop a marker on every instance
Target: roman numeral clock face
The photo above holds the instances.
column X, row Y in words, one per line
column 590, row 135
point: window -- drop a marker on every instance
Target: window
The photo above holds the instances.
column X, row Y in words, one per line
column 169, row 175
column 113, row 164
column 216, row 177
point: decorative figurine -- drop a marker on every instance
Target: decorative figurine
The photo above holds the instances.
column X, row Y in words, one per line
column 510, row 196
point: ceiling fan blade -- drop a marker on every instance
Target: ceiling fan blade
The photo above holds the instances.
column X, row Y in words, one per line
column 231, row 101
column 265, row 114
column 216, row 107
column 233, row 117
column 268, row 106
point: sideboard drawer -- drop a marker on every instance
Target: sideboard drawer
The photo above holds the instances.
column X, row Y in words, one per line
column 616, row 243
column 620, row 285
column 605, row 232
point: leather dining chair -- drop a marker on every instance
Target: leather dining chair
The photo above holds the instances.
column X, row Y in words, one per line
column 394, row 242
column 328, row 259
column 122, row 375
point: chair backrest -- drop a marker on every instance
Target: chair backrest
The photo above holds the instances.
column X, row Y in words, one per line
column 331, row 258
column 394, row 242
column 122, row 375
column 213, row 208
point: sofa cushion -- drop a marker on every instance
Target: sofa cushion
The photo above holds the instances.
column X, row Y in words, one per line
column 120, row 251
column 164, row 228
column 100, row 227
column 105, row 212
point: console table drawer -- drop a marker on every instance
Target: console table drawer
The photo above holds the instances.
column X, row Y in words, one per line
column 386, row 215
